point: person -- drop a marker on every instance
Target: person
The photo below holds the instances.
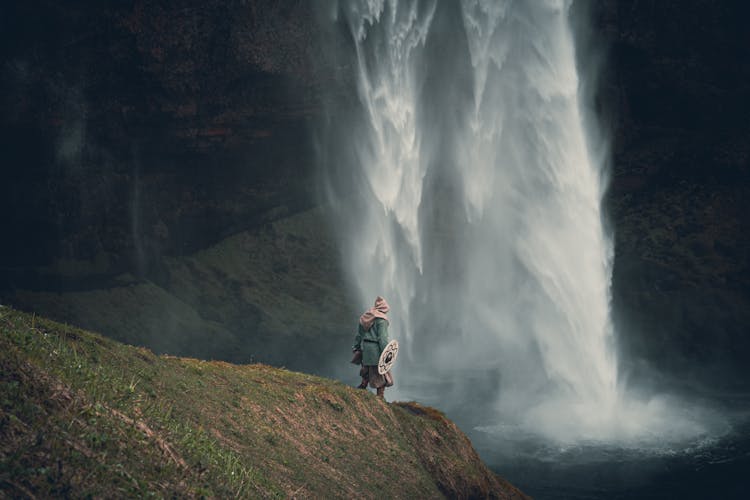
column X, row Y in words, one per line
column 371, row 339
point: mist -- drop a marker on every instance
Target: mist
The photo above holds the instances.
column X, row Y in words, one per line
column 466, row 186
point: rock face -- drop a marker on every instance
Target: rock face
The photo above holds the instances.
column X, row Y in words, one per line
column 141, row 129
column 138, row 134
column 676, row 88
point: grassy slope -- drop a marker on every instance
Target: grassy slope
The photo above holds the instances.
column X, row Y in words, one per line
column 81, row 414
column 244, row 298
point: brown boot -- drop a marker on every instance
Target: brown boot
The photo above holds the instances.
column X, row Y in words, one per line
column 381, row 392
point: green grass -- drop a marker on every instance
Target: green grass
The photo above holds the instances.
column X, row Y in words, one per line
column 82, row 415
column 249, row 294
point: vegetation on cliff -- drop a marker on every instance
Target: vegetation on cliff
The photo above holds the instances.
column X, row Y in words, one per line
column 246, row 298
column 83, row 415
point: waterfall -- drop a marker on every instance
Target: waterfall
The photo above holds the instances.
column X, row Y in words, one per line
column 464, row 190
column 387, row 253
column 532, row 187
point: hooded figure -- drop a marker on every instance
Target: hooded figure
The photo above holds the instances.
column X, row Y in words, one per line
column 371, row 339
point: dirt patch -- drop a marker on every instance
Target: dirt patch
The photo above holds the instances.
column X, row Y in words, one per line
column 421, row 411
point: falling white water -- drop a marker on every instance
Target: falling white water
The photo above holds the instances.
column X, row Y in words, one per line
column 385, row 247
column 473, row 205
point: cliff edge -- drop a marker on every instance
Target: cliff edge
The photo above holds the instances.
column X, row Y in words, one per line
column 83, row 415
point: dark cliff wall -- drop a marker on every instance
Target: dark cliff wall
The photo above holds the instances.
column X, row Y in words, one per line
column 131, row 129
column 676, row 85
column 157, row 175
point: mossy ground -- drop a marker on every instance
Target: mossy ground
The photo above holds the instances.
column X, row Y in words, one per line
column 82, row 415
column 245, row 298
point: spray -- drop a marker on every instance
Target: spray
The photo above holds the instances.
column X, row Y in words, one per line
column 472, row 202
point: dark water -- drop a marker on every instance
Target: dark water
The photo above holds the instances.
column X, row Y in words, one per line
column 714, row 464
column 709, row 468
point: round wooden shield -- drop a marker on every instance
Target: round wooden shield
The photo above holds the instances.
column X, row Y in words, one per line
column 388, row 357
